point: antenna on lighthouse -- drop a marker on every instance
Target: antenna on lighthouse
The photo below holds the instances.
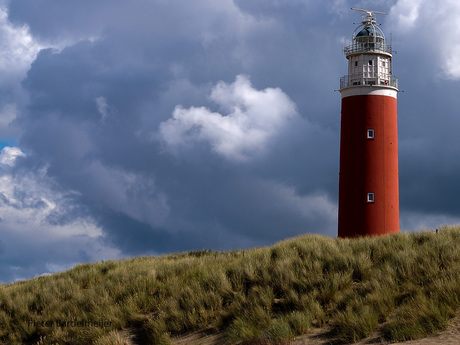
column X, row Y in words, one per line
column 367, row 11
column 369, row 18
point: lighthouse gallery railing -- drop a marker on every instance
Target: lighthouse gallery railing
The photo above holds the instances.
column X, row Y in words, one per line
column 359, row 47
column 392, row 81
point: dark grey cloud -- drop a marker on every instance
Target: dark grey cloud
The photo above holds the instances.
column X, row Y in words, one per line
column 106, row 181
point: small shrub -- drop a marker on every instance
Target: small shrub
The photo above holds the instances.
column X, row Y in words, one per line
column 155, row 332
column 353, row 325
column 299, row 322
column 417, row 319
column 113, row 338
column 248, row 328
column 278, row 332
column 262, row 297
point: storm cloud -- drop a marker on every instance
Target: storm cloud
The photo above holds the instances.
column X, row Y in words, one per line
column 150, row 127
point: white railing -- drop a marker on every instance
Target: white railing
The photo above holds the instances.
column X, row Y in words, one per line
column 367, row 47
column 392, row 81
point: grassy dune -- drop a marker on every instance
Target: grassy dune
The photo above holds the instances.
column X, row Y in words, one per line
column 406, row 286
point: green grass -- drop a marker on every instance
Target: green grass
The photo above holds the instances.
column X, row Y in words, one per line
column 406, row 286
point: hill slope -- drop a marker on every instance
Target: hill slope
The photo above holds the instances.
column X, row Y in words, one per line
column 409, row 282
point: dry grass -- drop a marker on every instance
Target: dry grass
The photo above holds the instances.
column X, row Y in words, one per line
column 259, row 296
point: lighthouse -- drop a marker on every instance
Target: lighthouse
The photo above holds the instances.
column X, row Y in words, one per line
column 368, row 178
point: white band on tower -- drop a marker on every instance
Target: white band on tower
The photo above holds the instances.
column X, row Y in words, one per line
column 374, row 90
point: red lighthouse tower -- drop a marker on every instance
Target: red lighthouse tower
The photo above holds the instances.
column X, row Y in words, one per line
column 368, row 183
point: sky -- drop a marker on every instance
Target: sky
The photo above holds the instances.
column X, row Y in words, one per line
column 147, row 127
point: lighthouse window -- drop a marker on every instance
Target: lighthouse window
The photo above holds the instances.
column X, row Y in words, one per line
column 370, row 134
column 370, row 197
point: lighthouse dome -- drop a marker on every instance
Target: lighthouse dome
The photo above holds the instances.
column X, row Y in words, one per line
column 370, row 31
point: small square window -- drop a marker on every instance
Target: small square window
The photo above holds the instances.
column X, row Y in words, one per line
column 356, row 63
column 370, row 197
column 370, row 134
column 370, row 62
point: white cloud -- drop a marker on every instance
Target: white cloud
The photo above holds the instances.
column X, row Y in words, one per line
column 252, row 117
column 27, row 201
column 8, row 155
column 30, row 234
column 407, row 13
column 432, row 27
column 102, row 107
column 19, row 49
